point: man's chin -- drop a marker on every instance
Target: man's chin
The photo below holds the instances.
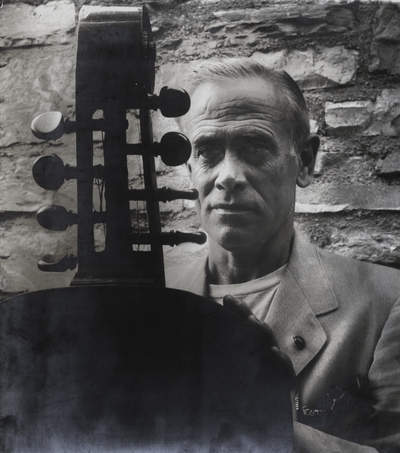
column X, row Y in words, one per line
column 234, row 240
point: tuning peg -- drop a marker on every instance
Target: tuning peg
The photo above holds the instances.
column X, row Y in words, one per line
column 165, row 194
column 171, row 102
column 55, row 218
column 50, row 172
column 48, row 263
column 174, row 149
column 51, row 126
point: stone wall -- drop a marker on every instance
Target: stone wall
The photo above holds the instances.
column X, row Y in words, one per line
column 344, row 55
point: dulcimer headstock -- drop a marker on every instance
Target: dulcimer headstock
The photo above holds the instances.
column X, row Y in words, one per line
column 114, row 74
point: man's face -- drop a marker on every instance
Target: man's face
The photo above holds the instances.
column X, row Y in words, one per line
column 242, row 162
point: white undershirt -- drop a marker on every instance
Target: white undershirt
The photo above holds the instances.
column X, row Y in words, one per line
column 257, row 294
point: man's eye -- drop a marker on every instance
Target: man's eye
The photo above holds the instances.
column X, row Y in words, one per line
column 257, row 147
column 257, row 152
column 210, row 155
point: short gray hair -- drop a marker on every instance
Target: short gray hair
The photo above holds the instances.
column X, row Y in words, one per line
column 296, row 113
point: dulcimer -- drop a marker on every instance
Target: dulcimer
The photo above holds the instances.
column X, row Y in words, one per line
column 116, row 362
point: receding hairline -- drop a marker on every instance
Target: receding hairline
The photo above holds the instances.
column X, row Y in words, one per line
column 240, row 94
column 239, row 68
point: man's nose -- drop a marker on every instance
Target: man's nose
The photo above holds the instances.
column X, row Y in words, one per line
column 231, row 175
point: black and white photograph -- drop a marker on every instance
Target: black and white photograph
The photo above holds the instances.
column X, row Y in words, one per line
column 199, row 226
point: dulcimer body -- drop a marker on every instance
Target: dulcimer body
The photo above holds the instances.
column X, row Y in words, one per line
column 136, row 369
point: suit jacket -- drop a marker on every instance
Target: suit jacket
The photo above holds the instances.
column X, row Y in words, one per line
column 347, row 367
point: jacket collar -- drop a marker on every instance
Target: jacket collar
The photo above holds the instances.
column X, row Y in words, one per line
column 303, row 294
column 307, row 269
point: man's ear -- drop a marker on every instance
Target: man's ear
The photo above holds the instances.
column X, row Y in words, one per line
column 307, row 156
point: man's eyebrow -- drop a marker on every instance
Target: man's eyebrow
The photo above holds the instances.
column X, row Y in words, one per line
column 205, row 139
column 268, row 138
column 255, row 132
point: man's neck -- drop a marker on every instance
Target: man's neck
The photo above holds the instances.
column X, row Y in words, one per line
column 238, row 266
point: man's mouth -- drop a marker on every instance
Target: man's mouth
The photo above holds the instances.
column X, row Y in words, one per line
column 231, row 208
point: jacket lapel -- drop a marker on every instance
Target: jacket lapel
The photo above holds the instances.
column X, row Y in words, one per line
column 303, row 294
column 290, row 316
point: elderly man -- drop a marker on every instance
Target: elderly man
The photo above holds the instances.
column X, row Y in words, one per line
column 336, row 319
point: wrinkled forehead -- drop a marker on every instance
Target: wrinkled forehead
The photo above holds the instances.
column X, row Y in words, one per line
column 235, row 98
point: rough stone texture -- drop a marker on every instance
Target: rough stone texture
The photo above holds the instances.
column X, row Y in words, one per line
column 18, row 191
column 341, row 168
column 385, row 46
column 333, row 197
column 33, row 82
column 381, row 117
column 276, row 21
column 26, row 25
column 322, row 68
column 325, row 160
column 22, row 243
column 390, row 166
column 348, row 118
column 198, row 30
column 381, row 248
column 367, row 236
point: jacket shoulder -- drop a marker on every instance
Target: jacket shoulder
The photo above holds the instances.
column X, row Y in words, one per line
column 353, row 276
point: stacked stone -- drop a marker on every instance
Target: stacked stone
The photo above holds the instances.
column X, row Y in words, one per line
column 344, row 55
column 36, row 75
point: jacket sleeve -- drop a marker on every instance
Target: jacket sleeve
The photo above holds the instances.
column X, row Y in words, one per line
column 380, row 431
column 383, row 427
